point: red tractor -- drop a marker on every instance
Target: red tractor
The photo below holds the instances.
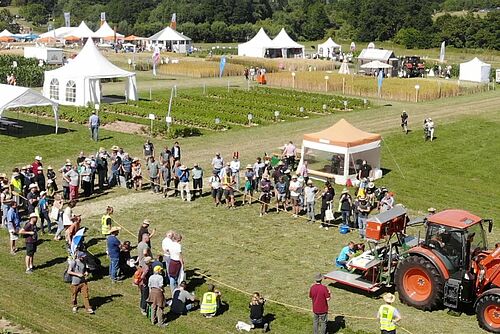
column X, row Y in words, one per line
column 450, row 267
column 412, row 67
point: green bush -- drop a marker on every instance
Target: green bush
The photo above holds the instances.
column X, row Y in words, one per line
column 27, row 72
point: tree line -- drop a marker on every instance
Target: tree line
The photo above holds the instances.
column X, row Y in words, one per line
column 407, row 22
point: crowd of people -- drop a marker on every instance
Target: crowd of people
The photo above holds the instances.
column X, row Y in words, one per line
column 48, row 200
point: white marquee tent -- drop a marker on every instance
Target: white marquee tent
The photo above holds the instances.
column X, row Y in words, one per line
column 6, row 33
column 475, row 70
column 58, row 32
column 348, row 144
column 344, row 68
column 172, row 40
column 285, row 47
column 256, row 47
column 16, row 96
column 78, row 82
column 328, row 48
column 107, row 33
column 376, row 65
column 82, row 31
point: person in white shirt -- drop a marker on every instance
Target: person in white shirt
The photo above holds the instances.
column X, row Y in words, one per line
column 295, row 191
column 165, row 246
column 217, row 162
column 235, row 170
column 215, row 186
column 289, row 152
column 176, row 264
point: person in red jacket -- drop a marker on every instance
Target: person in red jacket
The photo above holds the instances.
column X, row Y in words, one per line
column 320, row 295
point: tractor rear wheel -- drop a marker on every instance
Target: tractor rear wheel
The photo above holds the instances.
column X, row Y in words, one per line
column 419, row 283
column 488, row 313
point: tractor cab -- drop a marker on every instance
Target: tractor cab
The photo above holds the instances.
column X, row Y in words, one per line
column 454, row 235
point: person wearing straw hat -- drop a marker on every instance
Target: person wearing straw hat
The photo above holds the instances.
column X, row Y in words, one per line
column 32, row 197
column 310, row 192
column 37, row 163
column 29, row 232
column 363, row 209
column 65, row 184
column 113, row 250
column 73, row 179
column 101, row 161
column 146, row 272
column 51, row 176
column 43, row 206
column 320, row 295
column 388, row 315
column 183, row 175
column 249, row 184
column 137, row 174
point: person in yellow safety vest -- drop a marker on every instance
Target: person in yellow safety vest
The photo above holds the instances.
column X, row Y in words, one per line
column 388, row 315
column 106, row 221
column 210, row 302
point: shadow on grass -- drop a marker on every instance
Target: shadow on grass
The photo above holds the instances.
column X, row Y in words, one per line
column 52, row 262
column 31, row 129
column 385, row 171
column 98, row 301
column 194, row 280
column 336, row 325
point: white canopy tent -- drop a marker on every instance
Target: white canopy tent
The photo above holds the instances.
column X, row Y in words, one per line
column 82, row 31
column 328, row 48
column 107, row 33
column 171, row 40
column 58, row 32
column 256, row 47
column 78, row 82
column 285, row 47
column 6, row 33
column 16, row 96
column 475, row 70
column 375, row 65
column 337, row 152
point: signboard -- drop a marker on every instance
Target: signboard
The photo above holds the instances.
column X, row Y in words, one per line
column 152, row 117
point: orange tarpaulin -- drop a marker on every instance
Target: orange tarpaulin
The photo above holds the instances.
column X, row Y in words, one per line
column 343, row 134
column 47, row 40
column 133, row 38
column 7, row 39
column 72, row 38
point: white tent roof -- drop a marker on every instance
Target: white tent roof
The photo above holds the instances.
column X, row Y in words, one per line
column 475, row 70
column 168, row 34
column 329, row 43
column 90, row 63
column 82, row 31
column 6, row 33
column 283, row 41
column 376, row 54
column 105, row 31
column 376, row 64
column 261, row 39
column 15, row 96
column 58, row 33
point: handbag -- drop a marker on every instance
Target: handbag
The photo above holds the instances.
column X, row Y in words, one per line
column 54, row 213
column 329, row 213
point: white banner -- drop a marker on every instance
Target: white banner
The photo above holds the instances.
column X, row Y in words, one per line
column 67, row 19
column 441, row 53
column 103, row 16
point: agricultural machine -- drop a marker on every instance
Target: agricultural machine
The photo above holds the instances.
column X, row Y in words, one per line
column 412, row 67
column 450, row 266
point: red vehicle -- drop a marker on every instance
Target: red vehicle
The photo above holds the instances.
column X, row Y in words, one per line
column 412, row 67
column 450, row 267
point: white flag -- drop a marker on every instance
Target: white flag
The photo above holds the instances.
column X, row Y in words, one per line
column 67, row 20
column 441, row 53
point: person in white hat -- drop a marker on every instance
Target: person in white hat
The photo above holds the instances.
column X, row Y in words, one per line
column 249, row 184
column 37, row 163
column 43, row 206
column 113, row 250
column 39, row 178
column 31, row 237
column 197, row 180
column 94, row 123
column 388, row 315
column 32, row 197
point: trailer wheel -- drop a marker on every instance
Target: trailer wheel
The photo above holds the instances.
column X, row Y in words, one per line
column 488, row 313
column 419, row 283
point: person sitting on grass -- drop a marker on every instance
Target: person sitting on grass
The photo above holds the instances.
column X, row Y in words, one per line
column 345, row 255
column 257, row 312
column 210, row 303
column 182, row 300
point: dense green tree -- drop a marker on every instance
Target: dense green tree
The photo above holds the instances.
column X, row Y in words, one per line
column 7, row 21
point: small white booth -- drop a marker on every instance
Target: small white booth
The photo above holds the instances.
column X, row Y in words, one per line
column 52, row 56
column 106, row 33
column 171, row 40
column 328, row 49
column 338, row 152
column 16, row 96
column 475, row 70
column 78, row 83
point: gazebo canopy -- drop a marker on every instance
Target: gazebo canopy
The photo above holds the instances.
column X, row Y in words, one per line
column 376, row 65
column 6, row 33
column 328, row 48
column 16, row 96
column 283, row 41
column 106, row 32
column 169, row 34
column 343, row 134
column 134, row 38
column 256, row 47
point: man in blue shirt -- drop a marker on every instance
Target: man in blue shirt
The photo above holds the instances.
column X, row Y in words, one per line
column 113, row 245
column 13, row 225
column 94, row 123
column 183, row 175
column 345, row 255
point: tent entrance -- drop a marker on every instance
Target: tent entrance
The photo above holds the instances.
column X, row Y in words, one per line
column 111, row 90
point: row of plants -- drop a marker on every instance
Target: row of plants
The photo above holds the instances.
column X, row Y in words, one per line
column 195, row 69
column 399, row 89
column 26, row 71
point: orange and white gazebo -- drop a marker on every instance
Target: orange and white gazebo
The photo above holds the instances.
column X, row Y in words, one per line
column 338, row 151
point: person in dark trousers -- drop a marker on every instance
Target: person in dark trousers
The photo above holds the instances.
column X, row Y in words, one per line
column 320, row 295
column 388, row 315
column 176, row 152
column 256, row 307
column 346, row 207
column 404, row 122
column 326, row 199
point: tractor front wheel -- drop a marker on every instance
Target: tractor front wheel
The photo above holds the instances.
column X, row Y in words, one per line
column 488, row 313
column 419, row 283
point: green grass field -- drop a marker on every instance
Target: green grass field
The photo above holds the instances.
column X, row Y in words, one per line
column 276, row 255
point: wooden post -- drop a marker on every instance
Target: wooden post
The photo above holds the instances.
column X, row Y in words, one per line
column 343, row 85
